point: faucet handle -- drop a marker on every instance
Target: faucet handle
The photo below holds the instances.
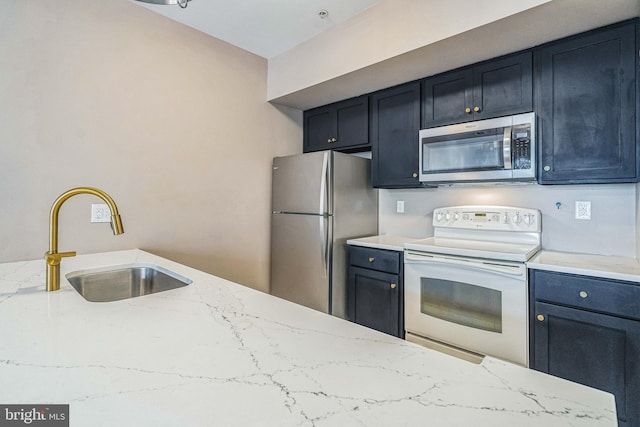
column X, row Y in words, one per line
column 56, row 258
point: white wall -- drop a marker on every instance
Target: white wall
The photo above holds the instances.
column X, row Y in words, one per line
column 396, row 41
column 611, row 231
column 172, row 123
column 387, row 29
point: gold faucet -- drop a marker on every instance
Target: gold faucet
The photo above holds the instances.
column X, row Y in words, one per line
column 53, row 257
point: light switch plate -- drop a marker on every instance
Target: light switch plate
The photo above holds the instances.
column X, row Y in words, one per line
column 400, row 206
column 100, row 213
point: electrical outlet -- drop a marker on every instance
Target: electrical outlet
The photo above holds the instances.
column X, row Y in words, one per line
column 100, row 213
column 400, row 206
column 583, row 210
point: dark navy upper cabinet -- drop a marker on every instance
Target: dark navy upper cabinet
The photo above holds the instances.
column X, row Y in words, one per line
column 582, row 88
column 447, row 98
column 340, row 126
column 494, row 88
column 395, row 123
column 586, row 100
column 587, row 330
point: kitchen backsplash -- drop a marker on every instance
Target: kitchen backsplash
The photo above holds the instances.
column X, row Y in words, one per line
column 611, row 230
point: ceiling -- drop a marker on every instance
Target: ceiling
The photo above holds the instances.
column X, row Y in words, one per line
column 266, row 28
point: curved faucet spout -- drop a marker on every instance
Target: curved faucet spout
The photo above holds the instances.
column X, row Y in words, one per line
column 53, row 257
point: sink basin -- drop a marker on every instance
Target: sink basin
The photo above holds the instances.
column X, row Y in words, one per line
column 124, row 281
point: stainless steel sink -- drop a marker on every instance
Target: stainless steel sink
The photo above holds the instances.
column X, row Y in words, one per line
column 124, row 281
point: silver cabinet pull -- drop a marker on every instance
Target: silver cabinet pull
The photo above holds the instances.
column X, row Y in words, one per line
column 583, row 294
column 371, row 259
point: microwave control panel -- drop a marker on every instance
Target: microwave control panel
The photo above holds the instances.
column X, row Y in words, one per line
column 521, row 146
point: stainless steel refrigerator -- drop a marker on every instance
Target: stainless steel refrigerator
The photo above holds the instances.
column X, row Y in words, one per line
column 319, row 200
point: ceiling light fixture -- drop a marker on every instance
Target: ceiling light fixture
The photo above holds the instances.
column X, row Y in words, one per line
column 181, row 3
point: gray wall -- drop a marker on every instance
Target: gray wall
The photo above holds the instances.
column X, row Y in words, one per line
column 611, row 231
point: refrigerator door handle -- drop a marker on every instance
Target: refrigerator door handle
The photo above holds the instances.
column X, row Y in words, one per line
column 324, row 246
column 324, row 208
column 324, row 184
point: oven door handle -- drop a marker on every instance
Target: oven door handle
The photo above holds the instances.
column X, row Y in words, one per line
column 505, row 269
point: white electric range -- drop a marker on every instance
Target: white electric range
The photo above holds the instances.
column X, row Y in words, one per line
column 466, row 288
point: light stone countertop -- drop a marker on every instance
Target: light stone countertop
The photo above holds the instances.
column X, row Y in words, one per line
column 604, row 266
column 217, row 353
column 389, row 242
column 608, row 267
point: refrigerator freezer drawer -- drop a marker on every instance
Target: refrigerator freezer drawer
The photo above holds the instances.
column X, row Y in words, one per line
column 300, row 261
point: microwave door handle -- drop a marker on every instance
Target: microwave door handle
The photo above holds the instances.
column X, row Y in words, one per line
column 506, row 147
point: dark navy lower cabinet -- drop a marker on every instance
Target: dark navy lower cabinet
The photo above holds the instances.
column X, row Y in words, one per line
column 587, row 330
column 375, row 294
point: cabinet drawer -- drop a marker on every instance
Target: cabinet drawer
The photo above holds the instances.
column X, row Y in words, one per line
column 375, row 259
column 589, row 293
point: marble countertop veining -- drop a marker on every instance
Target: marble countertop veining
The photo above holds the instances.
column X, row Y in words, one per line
column 217, row 353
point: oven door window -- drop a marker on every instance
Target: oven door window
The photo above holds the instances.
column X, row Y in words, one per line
column 472, row 151
column 468, row 305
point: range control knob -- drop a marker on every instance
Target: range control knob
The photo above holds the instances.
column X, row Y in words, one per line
column 447, row 216
column 495, row 218
column 465, row 217
column 438, row 216
column 517, row 218
column 456, row 215
column 529, row 219
column 505, row 218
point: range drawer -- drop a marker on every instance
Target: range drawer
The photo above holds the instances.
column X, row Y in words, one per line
column 375, row 259
column 589, row 293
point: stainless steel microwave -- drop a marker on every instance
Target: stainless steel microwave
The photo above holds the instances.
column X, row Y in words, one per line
column 501, row 149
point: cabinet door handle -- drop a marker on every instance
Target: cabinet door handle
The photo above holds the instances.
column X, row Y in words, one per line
column 371, row 259
column 540, row 317
column 547, row 168
column 415, row 175
column 467, row 110
column 393, row 286
column 476, row 109
column 329, row 140
column 333, row 140
column 583, row 294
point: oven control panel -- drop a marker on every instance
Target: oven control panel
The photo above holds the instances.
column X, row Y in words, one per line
column 499, row 218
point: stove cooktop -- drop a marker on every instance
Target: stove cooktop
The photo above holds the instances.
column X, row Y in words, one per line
column 480, row 231
column 518, row 252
